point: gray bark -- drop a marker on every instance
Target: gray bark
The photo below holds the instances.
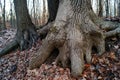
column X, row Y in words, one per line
column 74, row 34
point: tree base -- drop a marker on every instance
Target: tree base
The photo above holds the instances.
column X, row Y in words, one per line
column 24, row 38
column 73, row 34
column 73, row 44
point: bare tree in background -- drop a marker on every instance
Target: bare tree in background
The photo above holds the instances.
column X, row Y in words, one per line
column 107, row 8
column 4, row 23
column 0, row 16
column 2, row 6
column 119, row 8
column 11, row 15
column 34, row 12
column 100, row 13
column 44, row 13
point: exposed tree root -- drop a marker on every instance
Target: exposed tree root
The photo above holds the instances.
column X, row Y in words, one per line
column 43, row 54
column 73, row 45
column 74, row 33
column 24, row 39
column 46, row 48
column 52, row 41
column 12, row 45
column 44, row 30
column 108, row 25
column 111, row 28
column 64, row 56
column 113, row 32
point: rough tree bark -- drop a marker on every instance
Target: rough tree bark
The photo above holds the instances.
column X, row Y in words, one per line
column 73, row 33
column 75, row 30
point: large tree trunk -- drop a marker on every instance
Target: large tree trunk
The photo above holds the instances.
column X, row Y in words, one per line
column 26, row 34
column 74, row 33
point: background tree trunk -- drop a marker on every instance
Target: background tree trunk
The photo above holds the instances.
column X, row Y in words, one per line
column 26, row 34
column 107, row 8
column 52, row 9
column 100, row 13
column 115, row 7
column 11, row 15
column 44, row 13
column 3, row 26
column 4, row 21
column 118, row 8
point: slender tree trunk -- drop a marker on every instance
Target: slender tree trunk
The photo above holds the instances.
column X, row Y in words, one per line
column 100, row 13
column 118, row 8
column 26, row 34
column 4, row 21
column 0, row 17
column 107, row 8
column 3, row 14
column 114, row 7
column 44, row 13
column 34, row 12
column 11, row 15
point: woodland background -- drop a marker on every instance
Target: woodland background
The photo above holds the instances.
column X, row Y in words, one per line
column 14, row 66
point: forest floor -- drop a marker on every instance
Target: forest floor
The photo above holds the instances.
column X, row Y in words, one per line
column 14, row 66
